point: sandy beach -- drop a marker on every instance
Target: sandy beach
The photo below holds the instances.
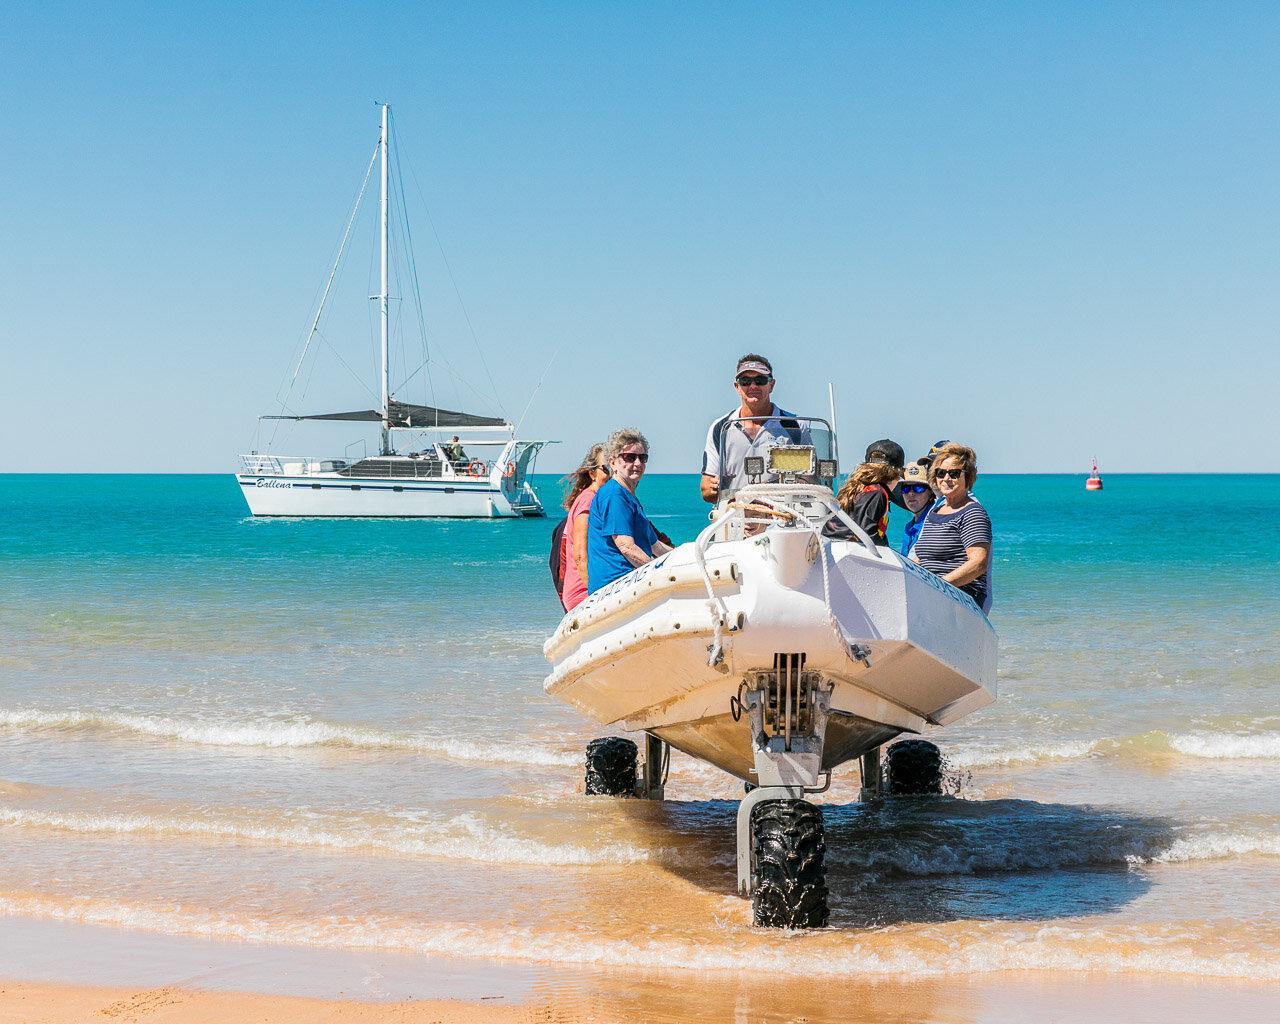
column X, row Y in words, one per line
column 1004, row 999
column 56, row 972
column 66, row 1004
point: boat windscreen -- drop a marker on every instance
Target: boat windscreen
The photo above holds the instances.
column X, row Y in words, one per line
column 790, row 449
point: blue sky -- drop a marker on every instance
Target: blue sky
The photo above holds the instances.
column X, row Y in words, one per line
column 1049, row 230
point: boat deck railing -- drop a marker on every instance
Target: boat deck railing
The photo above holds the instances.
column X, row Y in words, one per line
column 373, row 468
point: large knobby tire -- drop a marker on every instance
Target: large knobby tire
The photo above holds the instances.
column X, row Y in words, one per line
column 611, row 767
column 913, row 768
column 791, row 891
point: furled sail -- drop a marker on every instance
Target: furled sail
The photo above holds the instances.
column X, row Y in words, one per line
column 404, row 414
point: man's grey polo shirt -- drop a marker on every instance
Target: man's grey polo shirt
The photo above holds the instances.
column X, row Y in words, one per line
column 727, row 432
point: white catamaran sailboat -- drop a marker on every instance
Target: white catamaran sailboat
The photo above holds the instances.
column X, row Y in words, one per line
column 465, row 466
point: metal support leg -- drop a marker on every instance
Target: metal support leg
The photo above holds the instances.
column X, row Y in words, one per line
column 655, row 759
column 787, row 764
column 746, row 844
column 871, row 789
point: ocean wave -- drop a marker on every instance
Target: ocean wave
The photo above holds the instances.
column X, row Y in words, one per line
column 968, row 947
column 1203, row 745
column 904, row 846
column 946, row 837
column 296, row 733
column 462, row 838
column 1003, row 756
column 1216, row 846
column 1227, row 746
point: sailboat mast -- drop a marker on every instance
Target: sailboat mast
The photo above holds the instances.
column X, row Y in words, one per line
column 384, row 300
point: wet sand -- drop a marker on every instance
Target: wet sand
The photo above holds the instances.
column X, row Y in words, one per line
column 1002, row 999
column 64, row 1004
column 63, row 972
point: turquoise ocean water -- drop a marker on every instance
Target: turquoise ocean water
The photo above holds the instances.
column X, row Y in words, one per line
column 333, row 733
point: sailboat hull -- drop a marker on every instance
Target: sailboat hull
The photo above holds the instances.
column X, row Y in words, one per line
column 338, row 497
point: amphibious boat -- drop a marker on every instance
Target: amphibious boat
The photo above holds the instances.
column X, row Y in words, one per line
column 779, row 645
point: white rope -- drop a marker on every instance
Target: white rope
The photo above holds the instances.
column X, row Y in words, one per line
column 717, row 613
column 740, row 508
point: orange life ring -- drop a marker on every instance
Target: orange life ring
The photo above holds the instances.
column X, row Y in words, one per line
column 510, row 470
column 476, row 468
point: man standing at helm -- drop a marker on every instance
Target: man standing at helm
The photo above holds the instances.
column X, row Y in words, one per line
column 751, row 429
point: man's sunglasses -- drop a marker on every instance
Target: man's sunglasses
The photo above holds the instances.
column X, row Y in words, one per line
column 747, row 382
column 915, row 489
column 630, row 457
column 950, row 474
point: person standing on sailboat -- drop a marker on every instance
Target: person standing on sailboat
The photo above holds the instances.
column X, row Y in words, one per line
column 619, row 535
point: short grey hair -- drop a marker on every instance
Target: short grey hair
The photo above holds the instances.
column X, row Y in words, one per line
column 623, row 438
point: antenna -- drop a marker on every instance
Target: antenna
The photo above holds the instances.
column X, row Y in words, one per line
column 536, row 387
column 831, row 398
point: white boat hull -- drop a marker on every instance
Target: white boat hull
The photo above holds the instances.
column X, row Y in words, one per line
column 895, row 646
column 332, row 495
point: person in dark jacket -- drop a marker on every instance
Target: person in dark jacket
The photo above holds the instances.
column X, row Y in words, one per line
column 872, row 488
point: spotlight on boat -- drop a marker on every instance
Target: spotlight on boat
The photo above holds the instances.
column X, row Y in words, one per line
column 791, row 462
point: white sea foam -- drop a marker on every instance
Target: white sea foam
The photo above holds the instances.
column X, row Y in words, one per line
column 463, row 838
column 1216, row 846
column 969, row 947
column 1207, row 745
column 472, row 838
column 1228, row 745
column 296, row 733
column 1001, row 756
column 490, row 753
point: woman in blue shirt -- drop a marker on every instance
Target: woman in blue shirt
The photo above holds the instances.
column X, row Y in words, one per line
column 619, row 535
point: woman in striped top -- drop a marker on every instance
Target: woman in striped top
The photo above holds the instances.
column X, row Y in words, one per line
column 955, row 540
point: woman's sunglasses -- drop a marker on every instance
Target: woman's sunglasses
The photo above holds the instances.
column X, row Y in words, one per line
column 915, row 489
column 603, row 469
column 950, row 474
column 759, row 382
column 630, row 457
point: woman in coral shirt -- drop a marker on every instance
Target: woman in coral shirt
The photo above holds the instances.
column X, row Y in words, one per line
column 573, row 556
